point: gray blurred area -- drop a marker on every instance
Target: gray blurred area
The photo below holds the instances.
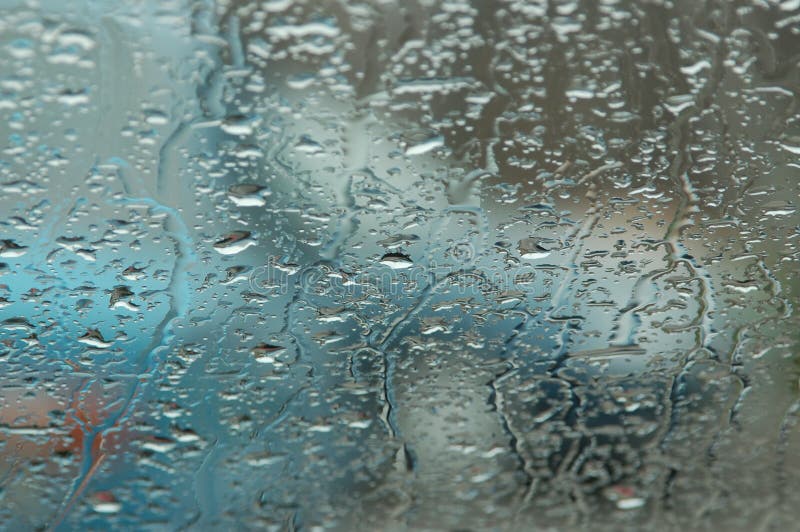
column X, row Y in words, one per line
column 399, row 265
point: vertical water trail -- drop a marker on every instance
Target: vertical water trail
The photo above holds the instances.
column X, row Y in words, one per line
column 178, row 291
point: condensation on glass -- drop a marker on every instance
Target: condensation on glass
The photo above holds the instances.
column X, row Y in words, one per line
column 413, row 264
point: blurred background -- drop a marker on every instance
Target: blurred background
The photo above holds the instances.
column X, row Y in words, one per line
column 378, row 265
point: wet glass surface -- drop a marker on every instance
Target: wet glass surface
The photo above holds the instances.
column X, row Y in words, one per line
column 389, row 265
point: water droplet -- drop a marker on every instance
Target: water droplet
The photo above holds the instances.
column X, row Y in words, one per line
column 104, row 502
column 234, row 243
column 248, row 195
column 396, row 261
column 10, row 249
column 94, row 338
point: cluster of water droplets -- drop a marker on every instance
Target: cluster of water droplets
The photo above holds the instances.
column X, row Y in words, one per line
column 391, row 265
